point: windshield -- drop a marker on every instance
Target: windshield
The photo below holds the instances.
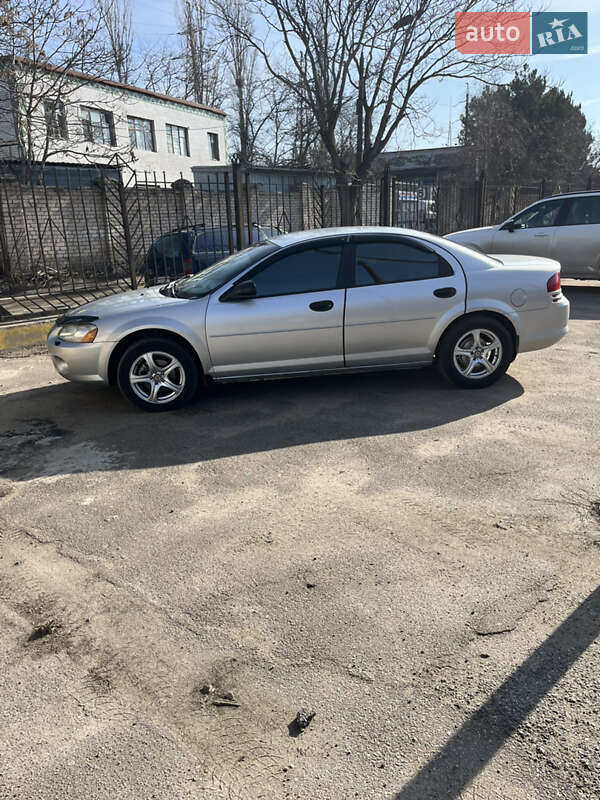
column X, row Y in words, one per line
column 216, row 275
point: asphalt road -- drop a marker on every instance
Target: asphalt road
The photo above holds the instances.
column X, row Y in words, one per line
column 416, row 564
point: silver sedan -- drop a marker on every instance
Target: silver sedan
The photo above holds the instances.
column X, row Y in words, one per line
column 315, row 302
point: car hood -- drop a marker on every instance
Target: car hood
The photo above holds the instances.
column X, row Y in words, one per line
column 468, row 231
column 132, row 301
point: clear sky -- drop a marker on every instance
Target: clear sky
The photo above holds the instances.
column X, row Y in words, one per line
column 580, row 75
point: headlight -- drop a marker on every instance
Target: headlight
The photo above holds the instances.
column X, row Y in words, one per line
column 78, row 332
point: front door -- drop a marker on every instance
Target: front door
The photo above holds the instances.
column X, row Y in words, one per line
column 295, row 322
column 577, row 240
column 399, row 292
column 533, row 233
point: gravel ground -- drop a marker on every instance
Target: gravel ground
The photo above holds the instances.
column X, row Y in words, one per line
column 415, row 564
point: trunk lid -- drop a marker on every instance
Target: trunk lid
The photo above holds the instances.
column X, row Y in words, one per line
column 527, row 262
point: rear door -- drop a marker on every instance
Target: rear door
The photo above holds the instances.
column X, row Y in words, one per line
column 577, row 240
column 534, row 230
column 399, row 290
column 295, row 322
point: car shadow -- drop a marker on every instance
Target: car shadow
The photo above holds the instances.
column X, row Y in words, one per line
column 470, row 749
column 69, row 428
column 584, row 299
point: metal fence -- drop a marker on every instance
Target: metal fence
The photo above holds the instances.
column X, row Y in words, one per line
column 70, row 234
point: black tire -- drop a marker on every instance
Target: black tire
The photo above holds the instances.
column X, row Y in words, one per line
column 462, row 334
column 172, row 362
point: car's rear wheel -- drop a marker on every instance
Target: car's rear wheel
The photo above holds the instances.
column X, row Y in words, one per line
column 475, row 352
column 157, row 374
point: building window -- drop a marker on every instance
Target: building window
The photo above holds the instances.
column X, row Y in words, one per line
column 141, row 133
column 56, row 119
column 177, row 140
column 213, row 146
column 97, row 126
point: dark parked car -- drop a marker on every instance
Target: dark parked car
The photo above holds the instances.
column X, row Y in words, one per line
column 186, row 251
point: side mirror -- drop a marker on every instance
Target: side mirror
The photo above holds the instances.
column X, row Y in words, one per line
column 245, row 290
column 510, row 226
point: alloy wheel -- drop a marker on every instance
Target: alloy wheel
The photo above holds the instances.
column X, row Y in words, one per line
column 157, row 377
column 477, row 353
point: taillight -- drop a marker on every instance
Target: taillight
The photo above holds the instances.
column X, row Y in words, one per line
column 553, row 287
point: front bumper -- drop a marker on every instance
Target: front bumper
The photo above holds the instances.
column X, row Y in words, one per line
column 77, row 362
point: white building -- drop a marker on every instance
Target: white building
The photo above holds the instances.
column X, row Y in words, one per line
column 63, row 116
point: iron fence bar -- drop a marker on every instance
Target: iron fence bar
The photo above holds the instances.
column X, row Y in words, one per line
column 227, row 189
column 171, row 195
column 247, row 185
column 75, row 227
column 126, row 231
column 212, row 219
column 153, row 237
column 255, row 201
column 51, row 228
column 88, row 235
column 102, row 232
column 220, row 210
column 13, row 230
column 237, row 201
column 42, row 252
column 3, row 245
column 65, row 234
column 110, row 223
column 26, row 232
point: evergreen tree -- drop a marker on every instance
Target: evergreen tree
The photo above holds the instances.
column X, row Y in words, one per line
column 527, row 131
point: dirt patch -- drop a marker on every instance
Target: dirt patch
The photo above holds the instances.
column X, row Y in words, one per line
column 594, row 509
column 27, row 443
column 45, row 629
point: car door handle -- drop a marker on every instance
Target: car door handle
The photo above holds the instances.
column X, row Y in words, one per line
column 321, row 305
column 447, row 291
column 540, row 234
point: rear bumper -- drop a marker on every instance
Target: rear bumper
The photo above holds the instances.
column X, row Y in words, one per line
column 544, row 327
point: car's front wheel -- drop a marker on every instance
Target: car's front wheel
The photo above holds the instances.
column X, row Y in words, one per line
column 475, row 352
column 157, row 374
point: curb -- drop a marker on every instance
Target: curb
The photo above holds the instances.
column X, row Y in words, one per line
column 24, row 334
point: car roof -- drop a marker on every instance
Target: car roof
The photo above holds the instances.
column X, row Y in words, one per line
column 580, row 193
column 298, row 237
column 475, row 259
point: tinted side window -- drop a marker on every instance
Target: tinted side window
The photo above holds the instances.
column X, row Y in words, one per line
column 395, row 262
column 174, row 245
column 211, row 240
column 583, row 211
column 542, row 215
column 311, row 270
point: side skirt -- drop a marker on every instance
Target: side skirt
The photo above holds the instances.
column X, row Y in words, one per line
column 275, row 376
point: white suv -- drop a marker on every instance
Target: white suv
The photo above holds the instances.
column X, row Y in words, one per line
column 565, row 227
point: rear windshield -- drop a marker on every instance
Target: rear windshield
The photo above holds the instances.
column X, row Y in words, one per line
column 218, row 274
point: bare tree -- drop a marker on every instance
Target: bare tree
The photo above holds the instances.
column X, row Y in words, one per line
column 199, row 55
column 246, row 87
column 117, row 24
column 371, row 56
column 162, row 70
column 43, row 41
